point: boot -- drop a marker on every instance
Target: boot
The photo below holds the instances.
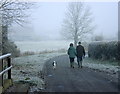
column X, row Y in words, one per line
column 81, row 64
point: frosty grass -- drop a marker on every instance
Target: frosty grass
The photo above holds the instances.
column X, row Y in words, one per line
column 27, row 69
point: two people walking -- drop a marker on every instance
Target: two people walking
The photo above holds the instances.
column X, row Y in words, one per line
column 79, row 52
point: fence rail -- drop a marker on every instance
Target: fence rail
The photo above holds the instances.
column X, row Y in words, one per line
column 6, row 57
column 1, row 73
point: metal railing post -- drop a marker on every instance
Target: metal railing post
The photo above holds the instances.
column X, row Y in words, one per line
column 1, row 69
column 9, row 71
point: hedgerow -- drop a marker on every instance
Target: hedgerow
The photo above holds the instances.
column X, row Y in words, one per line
column 104, row 50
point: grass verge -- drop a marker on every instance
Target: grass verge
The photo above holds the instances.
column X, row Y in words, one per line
column 96, row 61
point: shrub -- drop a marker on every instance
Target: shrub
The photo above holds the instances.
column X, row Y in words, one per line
column 10, row 47
column 27, row 53
column 104, row 50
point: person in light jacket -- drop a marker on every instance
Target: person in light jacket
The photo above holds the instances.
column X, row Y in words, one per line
column 72, row 53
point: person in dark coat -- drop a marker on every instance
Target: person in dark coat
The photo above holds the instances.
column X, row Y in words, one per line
column 72, row 53
column 80, row 53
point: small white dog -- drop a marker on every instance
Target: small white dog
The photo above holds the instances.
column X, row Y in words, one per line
column 54, row 64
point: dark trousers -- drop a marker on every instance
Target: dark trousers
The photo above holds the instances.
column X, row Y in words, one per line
column 72, row 62
column 79, row 60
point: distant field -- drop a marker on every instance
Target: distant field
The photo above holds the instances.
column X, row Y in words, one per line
column 42, row 45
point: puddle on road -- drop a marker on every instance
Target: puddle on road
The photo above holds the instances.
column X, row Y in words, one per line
column 60, row 86
column 50, row 75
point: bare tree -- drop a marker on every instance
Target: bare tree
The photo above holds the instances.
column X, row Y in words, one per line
column 78, row 22
column 13, row 11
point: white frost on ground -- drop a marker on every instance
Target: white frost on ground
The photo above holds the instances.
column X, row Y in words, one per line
column 102, row 67
column 27, row 69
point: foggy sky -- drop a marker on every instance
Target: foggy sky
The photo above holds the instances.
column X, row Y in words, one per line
column 46, row 20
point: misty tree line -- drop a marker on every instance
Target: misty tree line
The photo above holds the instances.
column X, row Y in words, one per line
column 11, row 11
column 77, row 24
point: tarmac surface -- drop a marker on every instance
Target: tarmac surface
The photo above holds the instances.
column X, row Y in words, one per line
column 67, row 79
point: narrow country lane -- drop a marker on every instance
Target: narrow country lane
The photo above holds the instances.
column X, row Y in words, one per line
column 66, row 79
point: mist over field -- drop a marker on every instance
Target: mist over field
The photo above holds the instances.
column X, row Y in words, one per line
column 43, row 30
column 43, row 46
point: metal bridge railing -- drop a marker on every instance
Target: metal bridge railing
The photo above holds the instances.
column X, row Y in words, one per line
column 4, row 85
